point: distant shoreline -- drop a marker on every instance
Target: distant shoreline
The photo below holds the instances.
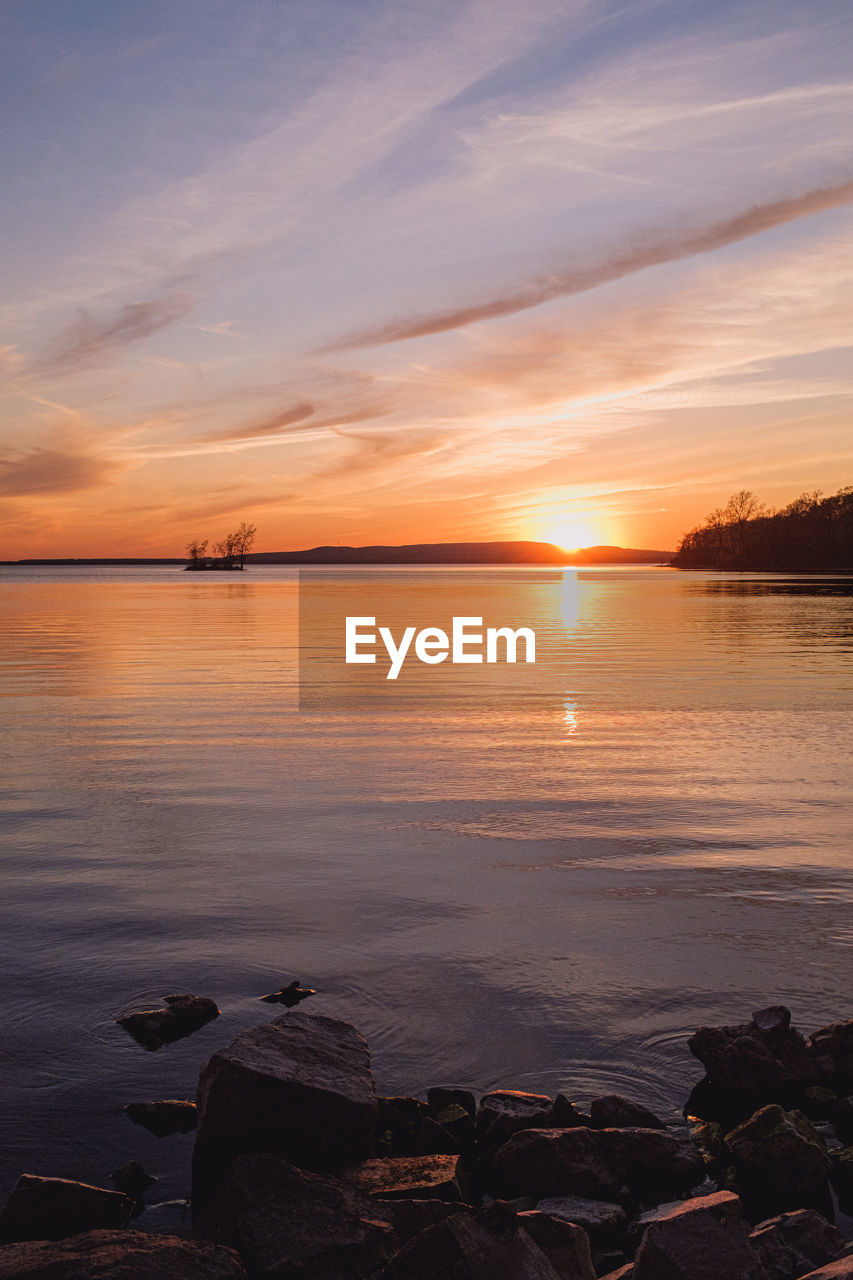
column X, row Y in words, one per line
column 471, row 553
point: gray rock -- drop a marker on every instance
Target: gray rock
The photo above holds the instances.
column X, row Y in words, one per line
column 125, row 1255
column 299, row 1086
column 793, row 1244
column 170, row 1116
column 599, row 1218
column 565, row 1244
column 701, row 1239
column 774, row 1018
column 53, row 1208
column 287, row 1223
column 615, row 1112
column 444, row 1096
column 182, row 1015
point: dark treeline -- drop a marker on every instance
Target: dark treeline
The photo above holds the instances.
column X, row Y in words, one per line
column 811, row 534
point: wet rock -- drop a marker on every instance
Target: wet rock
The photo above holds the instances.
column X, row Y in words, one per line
column 775, row 1018
column 792, row 1244
column 443, row 1096
column 287, row 1223
column 615, row 1112
column 599, row 1218
column 164, row 1118
column 408, row 1217
column 299, row 1086
column 490, row 1243
column 289, row 996
column 53, row 1208
column 835, row 1042
column 406, row 1128
column 506, row 1111
column 781, row 1161
column 565, row 1115
column 182, row 1015
column 702, row 1239
column 407, row 1177
column 130, row 1255
column 132, row 1181
column 565, row 1245
column 753, row 1064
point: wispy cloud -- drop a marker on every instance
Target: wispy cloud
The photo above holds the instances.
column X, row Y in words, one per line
column 46, row 471
column 654, row 249
column 89, row 337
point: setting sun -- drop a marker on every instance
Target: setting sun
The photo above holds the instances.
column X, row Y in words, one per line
column 572, row 534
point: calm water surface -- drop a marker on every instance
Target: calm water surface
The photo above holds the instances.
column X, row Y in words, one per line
column 545, row 896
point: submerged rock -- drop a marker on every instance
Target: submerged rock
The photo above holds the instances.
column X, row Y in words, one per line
column 130, row 1255
column 181, row 1016
column 289, row 996
column 287, row 1223
column 615, row 1112
column 53, row 1208
column 170, row 1116
column 299, row 1086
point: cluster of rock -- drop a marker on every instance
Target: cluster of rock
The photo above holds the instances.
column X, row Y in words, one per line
column 300, row 1172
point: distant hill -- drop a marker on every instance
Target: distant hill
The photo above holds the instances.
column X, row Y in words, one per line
column 462, row 553
column 414, row 553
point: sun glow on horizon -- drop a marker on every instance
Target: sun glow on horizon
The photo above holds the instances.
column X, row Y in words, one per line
column 573, row 534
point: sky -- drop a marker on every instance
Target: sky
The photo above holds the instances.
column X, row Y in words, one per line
column 419, row 270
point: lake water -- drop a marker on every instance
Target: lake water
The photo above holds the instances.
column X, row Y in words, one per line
column 546, row 893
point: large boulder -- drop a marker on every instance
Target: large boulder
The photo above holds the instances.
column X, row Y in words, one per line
column 288, row 1224
column 764, row 1060
column 793, row 1244
column 125, row 1255
column 299, row 1086
column 53, row 1208
column 182, row 1015
column 612, row 1111
column 780, row 1161
column 702, row 1239
column 598, row 1164
column 478, row 1246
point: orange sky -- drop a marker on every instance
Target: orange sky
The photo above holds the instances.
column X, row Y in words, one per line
column 453, row 273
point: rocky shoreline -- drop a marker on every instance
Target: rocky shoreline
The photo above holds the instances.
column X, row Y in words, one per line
column 300, row 1172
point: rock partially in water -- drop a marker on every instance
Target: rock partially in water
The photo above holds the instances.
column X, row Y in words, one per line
column 793, row 1244
column 406, row 1128
column 287, row 1223
column 566, row 1115
column 442, row 1096
column 172, row 1115
column 615, row 1112
column 132, row 1181
column 507, row 1111
column 289, row 996
column 299, row 1086
column 53, row 1208
column 407, row 1177
column 128, row 1255
column 182, row 1015
column 781, row 1162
